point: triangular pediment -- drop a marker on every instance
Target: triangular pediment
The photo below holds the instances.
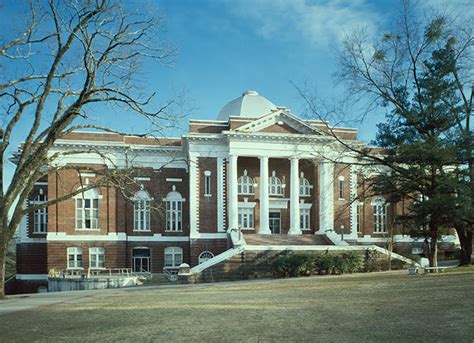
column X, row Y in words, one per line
column 280, row 121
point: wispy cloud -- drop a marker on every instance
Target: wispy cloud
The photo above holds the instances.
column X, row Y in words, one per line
column 320, row 23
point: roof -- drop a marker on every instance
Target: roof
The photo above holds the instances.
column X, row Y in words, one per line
column 249, row 105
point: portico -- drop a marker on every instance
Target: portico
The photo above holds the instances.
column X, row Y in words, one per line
column 270, row 193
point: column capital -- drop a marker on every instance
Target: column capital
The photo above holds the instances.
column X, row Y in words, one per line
column 293, row 158
column 263, row 157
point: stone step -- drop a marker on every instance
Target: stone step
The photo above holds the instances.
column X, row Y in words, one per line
column 256, row 239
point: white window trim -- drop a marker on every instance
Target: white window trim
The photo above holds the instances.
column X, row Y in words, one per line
column 341, row 189
column 379, row 202
column 173, row 251
column 174, row 197
column 247, row 185
column 249, row 212
column 96, row 251
column 207, row 184
column 208, row 253
column 304, row 184
column 142, row 196
column 90, row 194
column 76, row 251
column 275, row 181
column 40, row 213
column 308, row 216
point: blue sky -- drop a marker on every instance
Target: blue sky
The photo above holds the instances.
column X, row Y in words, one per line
column 226, row 47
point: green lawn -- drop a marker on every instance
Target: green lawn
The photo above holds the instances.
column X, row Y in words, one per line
column 374, row 307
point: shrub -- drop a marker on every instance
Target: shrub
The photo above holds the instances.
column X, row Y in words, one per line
column 323, row 263
column 293, row 265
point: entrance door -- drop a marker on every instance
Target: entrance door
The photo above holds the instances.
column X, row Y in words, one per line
column 141, row 260
column 274, row 222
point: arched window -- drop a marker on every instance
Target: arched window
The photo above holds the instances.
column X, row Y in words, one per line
column 174, row 211
column 274, row 185
column 380, row 214
column 245, row 184
column 305, row 186
column 173, row 257
column 74, row 258
column 141, row 204
column 87, row 210
column 40, row 216
column 204, row 256
column 97, row 258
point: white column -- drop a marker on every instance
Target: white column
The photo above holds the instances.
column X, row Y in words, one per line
column 233, row 198
column 220, row 194
column 294, row 198
column 354, row 202
column 193, row 196
column 264, row 200
column 326, row 196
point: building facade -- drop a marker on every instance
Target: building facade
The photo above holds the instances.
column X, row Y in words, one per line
column 258, row 167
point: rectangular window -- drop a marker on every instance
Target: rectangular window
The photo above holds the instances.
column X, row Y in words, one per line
column 341, row 189
column 305, row 219
column 142, row 215
column 74, row 258
column 207, row 184
column 246, row 218
column 173, row 257
column 87, row 214
column 40, row 220
column 174, row 215
column 97, row 258
column 380, row 218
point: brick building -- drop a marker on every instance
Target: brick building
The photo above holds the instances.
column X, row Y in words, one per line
column 258, row 167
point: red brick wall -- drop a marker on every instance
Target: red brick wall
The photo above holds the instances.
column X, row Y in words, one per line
column 342, row 207
column 207, row 204
column 197, row 246
column 31, row 258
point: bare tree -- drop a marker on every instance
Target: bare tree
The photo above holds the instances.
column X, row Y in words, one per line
column 72, row 56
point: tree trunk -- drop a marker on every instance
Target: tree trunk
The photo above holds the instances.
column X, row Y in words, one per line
column 433, row 252
column 465, row 238
column 3, row 254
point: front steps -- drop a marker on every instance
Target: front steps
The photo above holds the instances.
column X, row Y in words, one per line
column 290, row 240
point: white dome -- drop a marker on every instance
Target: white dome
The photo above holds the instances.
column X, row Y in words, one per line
column 249, row 105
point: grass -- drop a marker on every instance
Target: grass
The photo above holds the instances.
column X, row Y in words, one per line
column 462, row 269
column 376, row 307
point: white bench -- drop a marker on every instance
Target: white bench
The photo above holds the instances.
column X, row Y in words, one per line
column 439, row 269
column 414, row 270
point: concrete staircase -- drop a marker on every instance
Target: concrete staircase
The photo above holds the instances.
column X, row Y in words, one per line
column 287, row 240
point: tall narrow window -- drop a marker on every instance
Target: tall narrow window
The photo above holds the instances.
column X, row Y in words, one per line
column 380, row 215
column 173, row 257
column 97, row 258
column 141, row 204
column 245, row 218
column 359, row 209
column 274, row 185
column 174, row 211
column 305, row 186
column 341, row 188
column 87, row 210
column 245, row 184
column 304, row 219
column 40, row 216
column 207, row 183
column 74, row 258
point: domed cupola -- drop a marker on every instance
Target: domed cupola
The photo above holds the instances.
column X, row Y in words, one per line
column 249, row 105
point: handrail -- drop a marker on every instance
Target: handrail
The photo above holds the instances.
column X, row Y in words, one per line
column 217, row 259
column 91, row 273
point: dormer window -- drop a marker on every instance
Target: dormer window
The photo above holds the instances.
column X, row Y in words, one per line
column 274, row 185
column 305, row 186
column 245, row 184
